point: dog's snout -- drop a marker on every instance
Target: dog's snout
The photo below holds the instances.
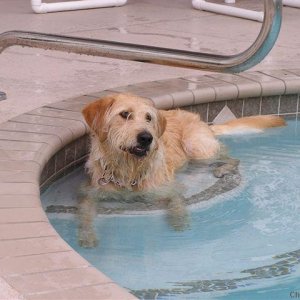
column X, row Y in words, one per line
column 144, row 138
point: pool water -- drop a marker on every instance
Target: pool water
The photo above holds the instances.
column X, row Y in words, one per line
column 244, row 244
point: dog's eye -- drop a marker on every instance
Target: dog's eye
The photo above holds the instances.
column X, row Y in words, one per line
column 124, row 114
column 148, row 118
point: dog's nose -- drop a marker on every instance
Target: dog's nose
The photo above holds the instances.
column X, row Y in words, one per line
column 144, row 138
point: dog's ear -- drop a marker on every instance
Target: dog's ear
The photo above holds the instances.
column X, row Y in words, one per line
column 162, row 123
column 94, row 115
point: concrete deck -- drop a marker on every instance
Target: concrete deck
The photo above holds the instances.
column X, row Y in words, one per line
column 34, row 77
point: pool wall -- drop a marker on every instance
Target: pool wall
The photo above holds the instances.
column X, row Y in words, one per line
column 40, row 146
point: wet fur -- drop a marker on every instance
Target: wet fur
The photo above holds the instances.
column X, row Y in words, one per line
column 178, row 137
column 248, row 124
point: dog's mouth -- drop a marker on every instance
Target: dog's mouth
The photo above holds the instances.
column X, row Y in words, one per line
column 138, row 151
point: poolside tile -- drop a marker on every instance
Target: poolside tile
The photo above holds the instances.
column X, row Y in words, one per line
column 70, row 154
column 288, row 103
column 30, row 137
column 144, row 89
column 7, row 292
column 251, row 107
column 99, row 292
column 74, row 125
column 204, row 94
column 174, row 84
column 178, row 85
column 26, row 230
column 18, row 176
column 57, row 113
column 64, row 134
column 74, row 104
column 20, row 145
column 49, row 169
column 246, row 87
column 136, row 86
column 180, row 90
column 270, row 105
column 17, row 155
column 236, row 106
column 83, row 99
column 67, row 105
column 291, row 80
column 19, row 188
column 32, row 246
column 44, row 176
column 57, row 280
column 12, row 165
column 42, row 157
column 60, row 160
column 202, row 80
column 22, row 215
column 289, row 116
column 18, row 201
column 39, row 156
column 224, row 90
column 224, row 116
column 205, row 91
column 163, row 102
column 270, row 85
column 214, row 109
column 183, row 98
column 81, row 146
column 92, row 95
column 41, row 263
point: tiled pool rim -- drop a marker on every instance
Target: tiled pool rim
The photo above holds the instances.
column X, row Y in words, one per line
column 41, row 145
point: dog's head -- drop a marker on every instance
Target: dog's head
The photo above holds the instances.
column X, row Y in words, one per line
column 127, row 123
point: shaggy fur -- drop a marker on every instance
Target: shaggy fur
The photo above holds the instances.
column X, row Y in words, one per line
column 120, row 161
column 178, row 136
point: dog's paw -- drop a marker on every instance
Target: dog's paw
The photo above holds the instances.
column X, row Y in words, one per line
column 178, row 222
column 224, row 168
column 87, row 239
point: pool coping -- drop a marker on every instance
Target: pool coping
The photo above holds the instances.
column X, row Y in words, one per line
column 38, row 146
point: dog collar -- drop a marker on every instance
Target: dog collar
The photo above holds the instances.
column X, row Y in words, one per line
column 104, row 181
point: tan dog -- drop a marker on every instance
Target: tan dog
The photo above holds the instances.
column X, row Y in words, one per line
column 135, row 147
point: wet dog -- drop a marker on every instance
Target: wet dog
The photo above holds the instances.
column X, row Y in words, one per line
column 136, row 148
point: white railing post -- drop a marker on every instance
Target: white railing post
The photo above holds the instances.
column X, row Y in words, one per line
column 40, row 8
column 235, row 11
column 228, row 10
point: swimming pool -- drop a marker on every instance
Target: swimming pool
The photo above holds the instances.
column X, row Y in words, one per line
column 240, row 245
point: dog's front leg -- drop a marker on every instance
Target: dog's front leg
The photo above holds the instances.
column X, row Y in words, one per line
column 177, row 214
column 224, row 164
column 87, row 237
column 225, row 167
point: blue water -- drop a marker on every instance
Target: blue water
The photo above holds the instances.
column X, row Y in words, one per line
column 241, row 230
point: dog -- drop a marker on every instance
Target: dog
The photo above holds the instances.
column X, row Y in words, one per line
column 136, row 149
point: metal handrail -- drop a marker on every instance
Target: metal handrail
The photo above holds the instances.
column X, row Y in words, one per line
column 157, row 55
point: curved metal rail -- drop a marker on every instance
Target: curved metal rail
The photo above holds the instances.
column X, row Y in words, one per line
column 157, row 55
